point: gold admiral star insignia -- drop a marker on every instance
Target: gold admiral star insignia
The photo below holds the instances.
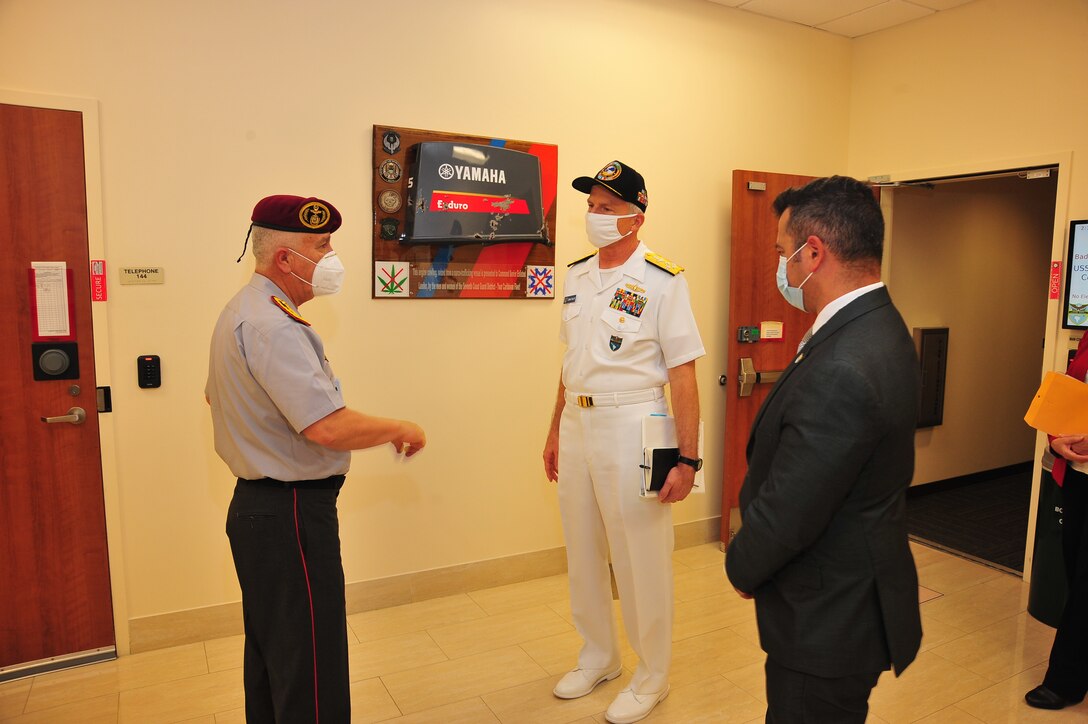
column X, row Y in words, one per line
column 662, row 263
column 286, row 308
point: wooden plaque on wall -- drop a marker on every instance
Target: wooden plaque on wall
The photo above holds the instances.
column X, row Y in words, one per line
column 462, row 217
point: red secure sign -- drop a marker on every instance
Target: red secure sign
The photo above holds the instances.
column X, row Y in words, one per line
column 98, row 280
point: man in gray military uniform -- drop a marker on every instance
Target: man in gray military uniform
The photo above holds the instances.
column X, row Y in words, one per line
column 282, row 428
column 629, row 330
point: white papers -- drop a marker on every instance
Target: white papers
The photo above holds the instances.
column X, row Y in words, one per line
column 51, row 298
column 659, row 432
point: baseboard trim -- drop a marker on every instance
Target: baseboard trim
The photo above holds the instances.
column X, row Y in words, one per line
column 938, row 486
column 210, row 622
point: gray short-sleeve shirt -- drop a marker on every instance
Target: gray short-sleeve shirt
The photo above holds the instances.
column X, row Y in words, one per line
column 268, row 380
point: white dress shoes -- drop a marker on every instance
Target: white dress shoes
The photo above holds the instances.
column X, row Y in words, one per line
column 579, row 682
column 630, row 707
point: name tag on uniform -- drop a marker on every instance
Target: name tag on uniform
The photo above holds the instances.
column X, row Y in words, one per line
column 570, row 298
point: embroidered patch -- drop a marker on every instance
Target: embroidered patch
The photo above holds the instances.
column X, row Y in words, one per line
column 609, row 172
column 628, row 302
column 389, row 229
column 389, row 171
column 391, row 141
column 313, row 215
column 614, row 342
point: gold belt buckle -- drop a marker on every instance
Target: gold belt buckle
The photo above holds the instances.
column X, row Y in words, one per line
column 585, row 401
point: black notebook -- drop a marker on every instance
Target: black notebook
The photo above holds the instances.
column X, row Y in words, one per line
column 662, row 461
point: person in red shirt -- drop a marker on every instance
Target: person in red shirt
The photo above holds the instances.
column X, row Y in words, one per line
column 1066, row 679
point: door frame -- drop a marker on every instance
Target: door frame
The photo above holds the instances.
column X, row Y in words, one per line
column 88, row 110
column 1056, row 339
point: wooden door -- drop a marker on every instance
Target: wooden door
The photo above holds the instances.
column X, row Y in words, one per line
column 55, row 600
column 754, row 298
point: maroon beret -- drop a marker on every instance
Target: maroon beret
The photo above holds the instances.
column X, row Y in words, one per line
column 294, row 213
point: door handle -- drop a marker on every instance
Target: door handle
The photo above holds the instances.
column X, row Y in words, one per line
column 749, row 378
column 76, row 416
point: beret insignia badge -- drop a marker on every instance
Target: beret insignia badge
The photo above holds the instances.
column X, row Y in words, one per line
column 314, row 215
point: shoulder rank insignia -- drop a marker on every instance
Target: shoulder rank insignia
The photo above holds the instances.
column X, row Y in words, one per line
column 662, row 263
column 584, row 258
column 286, row 309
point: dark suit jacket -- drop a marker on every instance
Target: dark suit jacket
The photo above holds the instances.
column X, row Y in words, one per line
column 823, row 545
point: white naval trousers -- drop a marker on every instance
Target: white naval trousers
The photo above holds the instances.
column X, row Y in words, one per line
column 600, row 450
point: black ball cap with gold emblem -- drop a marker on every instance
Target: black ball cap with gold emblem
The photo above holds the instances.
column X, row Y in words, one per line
column 295, row 213
column 620, row 179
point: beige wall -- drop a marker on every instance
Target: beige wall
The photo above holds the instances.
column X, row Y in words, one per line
column 973, row 257
column 207, row 106
column 988, row 80
column 974, row 87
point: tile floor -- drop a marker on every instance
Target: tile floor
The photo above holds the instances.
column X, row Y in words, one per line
column 493, row 656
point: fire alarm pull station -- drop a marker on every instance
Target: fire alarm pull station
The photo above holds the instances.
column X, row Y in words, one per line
column 148, row 373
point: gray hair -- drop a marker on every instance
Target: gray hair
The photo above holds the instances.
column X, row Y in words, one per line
column 265, row 240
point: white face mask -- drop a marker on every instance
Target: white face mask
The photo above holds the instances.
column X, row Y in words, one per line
column 603, row 229
column 328, row 276
column 794, row 295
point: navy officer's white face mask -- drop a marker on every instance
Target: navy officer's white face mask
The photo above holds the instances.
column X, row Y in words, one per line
column 794, row 295
column 604, row 229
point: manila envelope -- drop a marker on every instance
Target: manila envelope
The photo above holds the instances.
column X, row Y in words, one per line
column 1060, row 406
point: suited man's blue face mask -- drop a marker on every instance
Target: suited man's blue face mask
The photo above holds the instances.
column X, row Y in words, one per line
column 794, row 295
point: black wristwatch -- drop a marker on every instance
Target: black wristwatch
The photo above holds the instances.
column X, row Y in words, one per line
column 695, row 463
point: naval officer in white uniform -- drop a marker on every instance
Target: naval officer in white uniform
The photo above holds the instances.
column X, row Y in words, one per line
column 629, row 330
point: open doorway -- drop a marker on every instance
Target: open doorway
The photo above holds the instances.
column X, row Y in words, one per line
column 972, row 254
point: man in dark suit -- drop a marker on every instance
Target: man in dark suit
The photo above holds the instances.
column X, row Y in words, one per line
column 823, row 546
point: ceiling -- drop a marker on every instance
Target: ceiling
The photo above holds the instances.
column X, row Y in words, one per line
column 851, row 18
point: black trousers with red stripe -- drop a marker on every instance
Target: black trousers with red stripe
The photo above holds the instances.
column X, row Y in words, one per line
column 285, row 539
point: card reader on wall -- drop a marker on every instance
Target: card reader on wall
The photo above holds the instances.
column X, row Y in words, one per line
column 148, row 372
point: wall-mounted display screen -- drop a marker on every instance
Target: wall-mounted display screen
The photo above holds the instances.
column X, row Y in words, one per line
column 1075, row 311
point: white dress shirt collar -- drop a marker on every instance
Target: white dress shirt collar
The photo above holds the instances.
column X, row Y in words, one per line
column 836, row 305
